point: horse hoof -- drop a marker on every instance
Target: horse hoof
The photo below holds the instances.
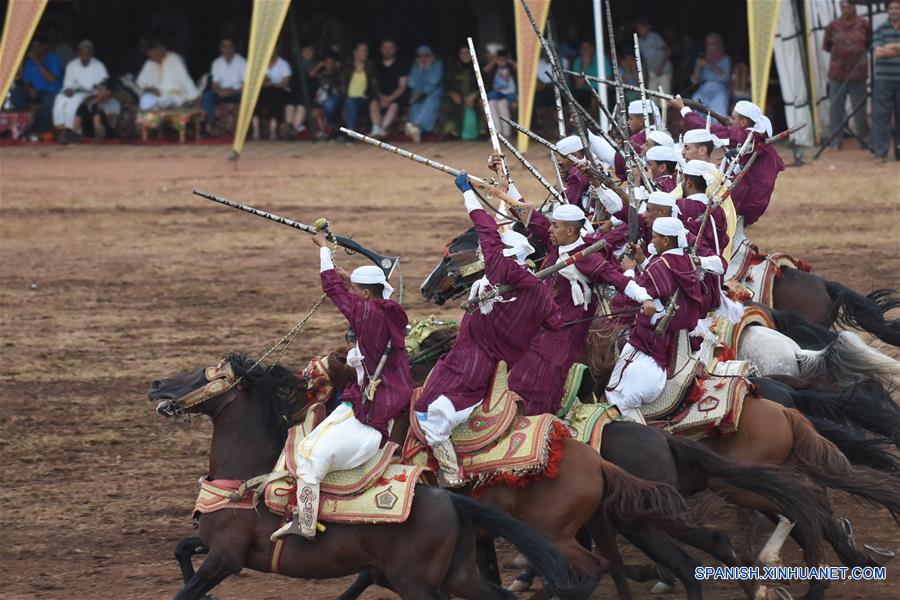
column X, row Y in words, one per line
column 880, row 554
column 662, row 588
column 519, row 586
column 781, row 593
column 520, row 562
column 847, row 527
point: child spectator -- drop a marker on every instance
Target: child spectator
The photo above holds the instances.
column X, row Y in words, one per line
column 328, row 97
column 301, row 91
column 503, row 95
column 98, row 116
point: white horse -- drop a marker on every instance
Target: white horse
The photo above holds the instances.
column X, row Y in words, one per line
column 846, row 360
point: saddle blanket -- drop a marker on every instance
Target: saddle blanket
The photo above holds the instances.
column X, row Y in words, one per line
column 586, row 422
column 759, row 276
column 530, row 448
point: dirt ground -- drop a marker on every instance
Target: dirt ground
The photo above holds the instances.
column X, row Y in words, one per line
column 113, row 274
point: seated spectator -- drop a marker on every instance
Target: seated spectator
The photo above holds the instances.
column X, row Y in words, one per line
column 426, row 89
column 328, row 97
column 227, row 80
column 98, row 116
column 713, row 72
column 82, row 75
column 301, row 90
column 358, row 79
column 164, row 80
column 628, row 69
column 42, row 77
column 460, row 114
column 585, row 62
column 502, row 92
column 273, row 96
column 655, row 54
column 392, row 76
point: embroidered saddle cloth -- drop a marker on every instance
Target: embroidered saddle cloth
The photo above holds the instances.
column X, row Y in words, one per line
column 714, row 405
column 586, row 421
column 681, row 373
column 761, row 272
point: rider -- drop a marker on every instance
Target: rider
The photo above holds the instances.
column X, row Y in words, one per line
column 577, row 183
column 640, row 373
column 355, row 431
column 751, row 198
column 499, row 329
column 539, row 376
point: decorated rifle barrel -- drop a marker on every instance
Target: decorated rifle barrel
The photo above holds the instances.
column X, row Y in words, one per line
column 411, row 155
column 531, row 169
column 640, row 68
column 488, row 117
column 542, row 274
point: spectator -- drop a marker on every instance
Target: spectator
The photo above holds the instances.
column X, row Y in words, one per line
column 586, row 63
column 740, row 84
column 655, row 54
column 164, row 80
column 98, row 116
column 712, row 72
column 886, row 97
column 392, row 76
column 328, row 97
column 58, row 45
column 82, row 75
column 628, row 69
column 227, row 80
column 460, row 117
column 503, row 93
column 847, row 39
column 42, row 78
column 301, row 87
column 426, row 89
column 273, row 96
column 359, row 79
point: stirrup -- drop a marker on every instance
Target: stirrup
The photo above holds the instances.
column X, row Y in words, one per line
column 292, row 527
column 449, row 474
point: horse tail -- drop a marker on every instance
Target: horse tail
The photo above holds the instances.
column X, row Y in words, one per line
column 866, row 312
column 808, row 335
column 823, row 462
column 541, row 553
column 793, row 497
column 628, row 500
column 859, row 448
column 848, row 358
column 867, row 405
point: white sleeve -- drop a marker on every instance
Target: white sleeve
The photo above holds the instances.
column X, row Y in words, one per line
column 712, row 264
column 636, row 292
column 471, row 199
column 325, row 261
column 70, row 81
column 610, row 200
column 615, row 221
column 684, row 111
column 144, row 78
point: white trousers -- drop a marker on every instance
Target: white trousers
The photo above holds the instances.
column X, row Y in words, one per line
column 441, row 419
column 339, row 442
column 636, row 379
column 152, row 101
column 65, row 107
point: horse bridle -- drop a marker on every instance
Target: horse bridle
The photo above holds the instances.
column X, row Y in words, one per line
column 220, row 379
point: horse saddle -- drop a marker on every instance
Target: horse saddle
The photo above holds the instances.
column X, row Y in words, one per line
column 586, row 421
column 714, row 405
column 682, row 369
column 488, row 422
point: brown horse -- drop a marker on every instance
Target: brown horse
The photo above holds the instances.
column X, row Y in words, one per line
column 249, row 410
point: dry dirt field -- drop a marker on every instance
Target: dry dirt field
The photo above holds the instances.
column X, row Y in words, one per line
column 113, row 274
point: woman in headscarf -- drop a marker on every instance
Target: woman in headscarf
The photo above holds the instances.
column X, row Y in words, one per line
column 713, row 73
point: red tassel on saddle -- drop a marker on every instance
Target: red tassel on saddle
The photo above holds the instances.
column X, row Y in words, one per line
column 804, row 266
column 697, row 392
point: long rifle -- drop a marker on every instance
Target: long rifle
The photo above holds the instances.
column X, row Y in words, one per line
column 693, row 104
column 640, row 68
column 499, row 290
column 488, row 117
column 560, row 120
column 557, row 195
column 385, row 263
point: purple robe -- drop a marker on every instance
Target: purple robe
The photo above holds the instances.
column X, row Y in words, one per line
column 539, row 377
column 464, row 373
column 375, row 322
column 663, row 275
column 637, row 142
column 751, row 196
column 577, row 184
column 665, row 183
column 691, row 214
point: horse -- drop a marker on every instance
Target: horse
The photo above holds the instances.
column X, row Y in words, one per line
column 249, row 408
column 654, row 455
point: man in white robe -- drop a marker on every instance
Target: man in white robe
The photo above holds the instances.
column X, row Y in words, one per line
column 164, row 80
column 82, row 75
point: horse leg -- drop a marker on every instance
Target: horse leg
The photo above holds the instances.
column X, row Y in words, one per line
column 486, row 559
column 717, row 545
column 363, row 581
column 663, row 550
column 606, row 546
column 184, row 551
column 215, row 568
column 813, row 557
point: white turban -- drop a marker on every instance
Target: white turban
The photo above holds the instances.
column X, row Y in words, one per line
column 519, row 245
column 569, row 213
column 671, row 227
column 661, row 138
column 664, row 199
column 662, row 154
column 570, row 145
column 370, row 274
column 755, row 114
column 601, row 149
column 701, row 168
column 635, row 107
column 701, row 136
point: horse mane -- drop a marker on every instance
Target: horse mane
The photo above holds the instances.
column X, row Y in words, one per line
column 274, row 385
